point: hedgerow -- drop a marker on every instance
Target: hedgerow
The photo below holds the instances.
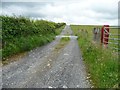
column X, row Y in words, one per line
column 21, row 34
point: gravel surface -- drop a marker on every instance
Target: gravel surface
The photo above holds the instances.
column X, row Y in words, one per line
column 45, row 67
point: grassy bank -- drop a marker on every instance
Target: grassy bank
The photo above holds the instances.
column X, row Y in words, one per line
column 63, row 42
column 20, row 34
column 101, row 63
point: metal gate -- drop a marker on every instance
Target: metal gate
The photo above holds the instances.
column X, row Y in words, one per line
column 111, row 40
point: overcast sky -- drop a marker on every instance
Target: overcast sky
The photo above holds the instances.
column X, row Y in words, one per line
column 90, row 12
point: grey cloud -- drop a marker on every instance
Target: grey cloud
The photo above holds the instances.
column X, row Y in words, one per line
column 108, row 11
column 105, row 10
column 71, row 12
column 34, row 15
column 31, row 8
column 24, row 4
column 107, row 16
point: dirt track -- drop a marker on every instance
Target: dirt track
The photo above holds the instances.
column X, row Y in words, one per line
column 45, row 67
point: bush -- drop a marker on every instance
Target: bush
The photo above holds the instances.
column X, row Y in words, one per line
column 21, row 34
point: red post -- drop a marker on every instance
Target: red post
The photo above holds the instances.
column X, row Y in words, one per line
column 104, row 35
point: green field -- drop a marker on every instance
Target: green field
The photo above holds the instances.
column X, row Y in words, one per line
column 89, row 29
column 101, row 63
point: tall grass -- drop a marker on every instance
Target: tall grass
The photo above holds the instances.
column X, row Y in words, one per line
column 21, row 34
column 101, row 63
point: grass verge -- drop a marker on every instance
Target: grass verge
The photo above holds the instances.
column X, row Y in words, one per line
column 23, row 45
column 63, row 42
column 101, row 63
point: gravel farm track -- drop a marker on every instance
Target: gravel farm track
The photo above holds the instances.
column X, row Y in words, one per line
column 46, row 67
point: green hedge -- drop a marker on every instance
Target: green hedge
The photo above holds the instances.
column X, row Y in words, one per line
column 22, row 34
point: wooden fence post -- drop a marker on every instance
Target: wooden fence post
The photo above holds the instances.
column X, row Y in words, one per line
column 96, row 34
